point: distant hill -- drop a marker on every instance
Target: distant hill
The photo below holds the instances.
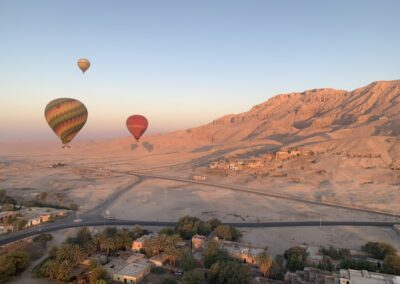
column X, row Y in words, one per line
column 312, row 117
column 370, row 110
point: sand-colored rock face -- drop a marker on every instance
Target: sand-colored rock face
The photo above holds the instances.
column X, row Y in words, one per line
column 323, row 110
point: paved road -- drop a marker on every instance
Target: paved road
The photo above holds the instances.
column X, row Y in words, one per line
column 68, row 224
column 94, row 217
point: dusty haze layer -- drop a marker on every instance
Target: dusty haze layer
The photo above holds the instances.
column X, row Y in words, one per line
column 353, row 137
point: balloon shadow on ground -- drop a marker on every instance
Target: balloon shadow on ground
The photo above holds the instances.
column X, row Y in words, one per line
column 133, row 147
column 148, row 146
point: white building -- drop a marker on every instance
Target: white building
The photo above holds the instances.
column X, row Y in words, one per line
column 350, row 276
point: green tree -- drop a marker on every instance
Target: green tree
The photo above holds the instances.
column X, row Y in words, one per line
column 204, row 228
column 379, row 250
column 229, row 272
column 358, row 265
column 138, row 232
column 84, row 236
column 105, row 243
column 326, row 263
column 336, row 254
column 123, row 240
column 187, row 227
column 193, row 277
column 163, row 243
column 12, row 263
column 264, row 262
column 391, row 264
column 97, row 274
column 167, row 231
column 71, row 254
column 277, row 270
column 188, row 262
column 296, row 257
column 43, row 239
column 213, row 254
column 227, row 233
column 214, row 223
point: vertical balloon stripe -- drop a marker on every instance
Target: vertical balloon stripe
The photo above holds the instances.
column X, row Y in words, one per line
column 66, row 117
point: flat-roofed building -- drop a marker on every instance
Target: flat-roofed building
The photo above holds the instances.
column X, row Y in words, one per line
column 38, row 215
column 133, row 272
column 350, row 276
column 128, row 267
column 243, row 252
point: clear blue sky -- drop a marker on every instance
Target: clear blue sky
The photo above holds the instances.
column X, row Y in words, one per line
column 183, row 63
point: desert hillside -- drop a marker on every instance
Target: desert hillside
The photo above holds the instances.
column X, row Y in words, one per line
column 324, row 144
column 319, row 118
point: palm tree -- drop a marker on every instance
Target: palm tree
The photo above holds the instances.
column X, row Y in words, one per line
column 264, row 262
column 173, row 254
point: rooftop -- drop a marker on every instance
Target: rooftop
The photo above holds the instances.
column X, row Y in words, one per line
column 135, row 268
column 146, row 237
column 365, row 277
column 118, row 263
column 35, row 212
column 238, row 248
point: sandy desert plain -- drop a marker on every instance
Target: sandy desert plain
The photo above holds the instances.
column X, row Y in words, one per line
column 354, row 163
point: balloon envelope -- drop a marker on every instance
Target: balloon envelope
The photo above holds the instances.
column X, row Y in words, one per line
column 137, row 125
column 66, row 117
column 83, row 64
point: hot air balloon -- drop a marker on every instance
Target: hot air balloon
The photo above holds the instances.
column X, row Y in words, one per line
column 137, row 125
column 83, row 64
column 66, row 117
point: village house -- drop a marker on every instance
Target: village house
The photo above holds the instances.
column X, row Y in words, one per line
column 6, row 214
column 138, row 244
column 255, row 163
column 350, row 276
column 312, row 275
column 128, row 268
column 39, row 215
column 199, row 243
column 245, row 253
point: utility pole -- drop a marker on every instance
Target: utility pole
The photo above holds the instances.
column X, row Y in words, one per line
column 320, row 221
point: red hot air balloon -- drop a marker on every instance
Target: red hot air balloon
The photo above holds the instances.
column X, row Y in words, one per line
column 137, row 125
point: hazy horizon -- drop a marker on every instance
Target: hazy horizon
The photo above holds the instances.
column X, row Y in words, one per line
column 182, row 64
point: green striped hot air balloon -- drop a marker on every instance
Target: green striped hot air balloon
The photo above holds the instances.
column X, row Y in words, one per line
column 66, row 117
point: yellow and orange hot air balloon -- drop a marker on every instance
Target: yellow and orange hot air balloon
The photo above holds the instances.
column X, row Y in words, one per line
column 66, row 117
column 83, row 64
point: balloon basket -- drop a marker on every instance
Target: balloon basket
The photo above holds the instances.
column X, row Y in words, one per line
column 66, row 147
